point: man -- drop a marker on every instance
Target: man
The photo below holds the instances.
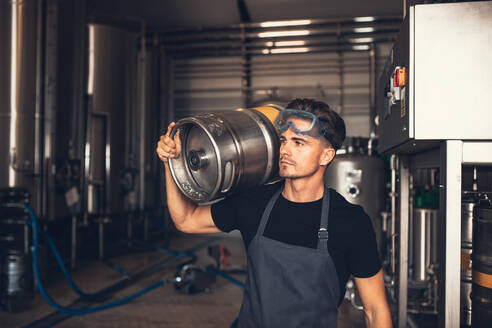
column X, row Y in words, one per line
column 303, row 240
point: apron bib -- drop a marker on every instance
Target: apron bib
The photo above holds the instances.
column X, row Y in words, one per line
column 289, row 285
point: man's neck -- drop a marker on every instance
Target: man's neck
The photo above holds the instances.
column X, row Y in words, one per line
column 307, row 189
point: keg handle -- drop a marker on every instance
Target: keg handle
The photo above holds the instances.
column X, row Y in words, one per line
column 174, row 130
column 229, row 172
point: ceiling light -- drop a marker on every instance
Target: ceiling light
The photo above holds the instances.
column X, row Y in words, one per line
column 286, row 23
column 288, row 50
column 265, row 51
column 283, row 33
column 363, row 29
column 269, row 44
column 364, row 19
column 360, row 47
column 293, row 43
column 362, row 40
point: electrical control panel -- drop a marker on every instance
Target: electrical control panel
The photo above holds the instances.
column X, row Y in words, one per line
column 437, row 79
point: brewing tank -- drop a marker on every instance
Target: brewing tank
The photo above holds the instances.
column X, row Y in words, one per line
column 360, row 179
column 226, row 152
column 19, row 101
column 482, row 265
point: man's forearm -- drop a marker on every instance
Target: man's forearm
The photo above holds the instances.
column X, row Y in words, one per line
column 180, row 208
column 378, row 318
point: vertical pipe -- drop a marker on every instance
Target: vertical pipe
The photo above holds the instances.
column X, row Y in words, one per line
column 372, row 90
column 14, row 57
column 107, row 163
column 38, row 114
column 394, row 166
column 246, row 71
column 73, row 258
column 88, row 188
column 450, row 233
column 143, row 61
column 404, row 200
column 171, row 110
column 50, row 103
column 342, row 82
column 100, row 226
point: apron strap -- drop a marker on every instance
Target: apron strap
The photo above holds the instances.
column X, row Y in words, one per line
column 323, row 226
column 267, row 211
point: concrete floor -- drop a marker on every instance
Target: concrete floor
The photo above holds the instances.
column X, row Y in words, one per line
column 162, row 307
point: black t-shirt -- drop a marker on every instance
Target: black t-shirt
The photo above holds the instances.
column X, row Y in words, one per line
column 351, row 239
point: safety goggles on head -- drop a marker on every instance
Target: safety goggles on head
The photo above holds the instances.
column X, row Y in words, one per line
column 307, row 124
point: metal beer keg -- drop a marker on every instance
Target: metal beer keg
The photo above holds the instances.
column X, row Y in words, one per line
column 225, row 152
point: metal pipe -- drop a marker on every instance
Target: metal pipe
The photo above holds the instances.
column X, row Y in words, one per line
column 142, row 101
column 403, row 191
column 73, row 260
column 393, row 164
column 372, row 90
column 39, row 110
column 341, row 76
column 236, row 33
column 259, row 52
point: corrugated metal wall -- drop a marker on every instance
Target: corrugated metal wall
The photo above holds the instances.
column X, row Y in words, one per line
column 342, row 80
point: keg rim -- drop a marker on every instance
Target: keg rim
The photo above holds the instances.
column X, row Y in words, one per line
column 209, row 195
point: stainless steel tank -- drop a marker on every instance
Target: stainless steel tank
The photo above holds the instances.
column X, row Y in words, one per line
column 424, row 244
column 19, row 101
column 482, row 265
column 226, row 152
column 360, row 179
column 109, row 57
column 466, row 269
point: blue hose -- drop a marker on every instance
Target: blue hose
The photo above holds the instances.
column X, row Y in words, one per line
column 52, row 245
column 49, row 300
column 169, row 251
column 116, row 268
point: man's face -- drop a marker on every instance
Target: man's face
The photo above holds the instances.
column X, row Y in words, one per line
column 300, row 156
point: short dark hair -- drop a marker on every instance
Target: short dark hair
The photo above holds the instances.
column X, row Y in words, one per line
column 333, row 123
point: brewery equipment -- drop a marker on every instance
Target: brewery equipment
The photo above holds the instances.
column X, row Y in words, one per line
column 15, row 264
column 482, row 265
column 466, row 269
column 360, row 179
column 426, row 117
column 226, row 152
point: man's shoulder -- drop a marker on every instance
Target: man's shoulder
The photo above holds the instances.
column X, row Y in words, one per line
column 261, row 192
column 345, row 210
column 253, row 196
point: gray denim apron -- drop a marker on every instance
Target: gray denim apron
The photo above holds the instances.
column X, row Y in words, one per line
column 288, row 285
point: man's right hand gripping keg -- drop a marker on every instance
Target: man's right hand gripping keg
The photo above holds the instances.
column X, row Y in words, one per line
column 168, row 147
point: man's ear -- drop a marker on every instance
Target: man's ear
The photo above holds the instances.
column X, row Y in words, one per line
column 327, row 156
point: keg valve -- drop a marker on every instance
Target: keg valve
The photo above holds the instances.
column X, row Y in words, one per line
column 197, row 159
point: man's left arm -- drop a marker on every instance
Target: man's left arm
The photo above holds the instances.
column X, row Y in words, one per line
column 372, row 294
column 366, row 266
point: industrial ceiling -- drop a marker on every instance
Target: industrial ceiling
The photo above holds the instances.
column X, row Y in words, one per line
column 173, row 15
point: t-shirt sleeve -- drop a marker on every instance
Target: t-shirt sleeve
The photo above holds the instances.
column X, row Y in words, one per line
column 363, row 254
column 226, row 213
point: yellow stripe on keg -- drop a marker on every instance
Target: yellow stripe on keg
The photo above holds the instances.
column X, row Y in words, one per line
column 269, row 111
column 465, row 261
column 482, row 279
